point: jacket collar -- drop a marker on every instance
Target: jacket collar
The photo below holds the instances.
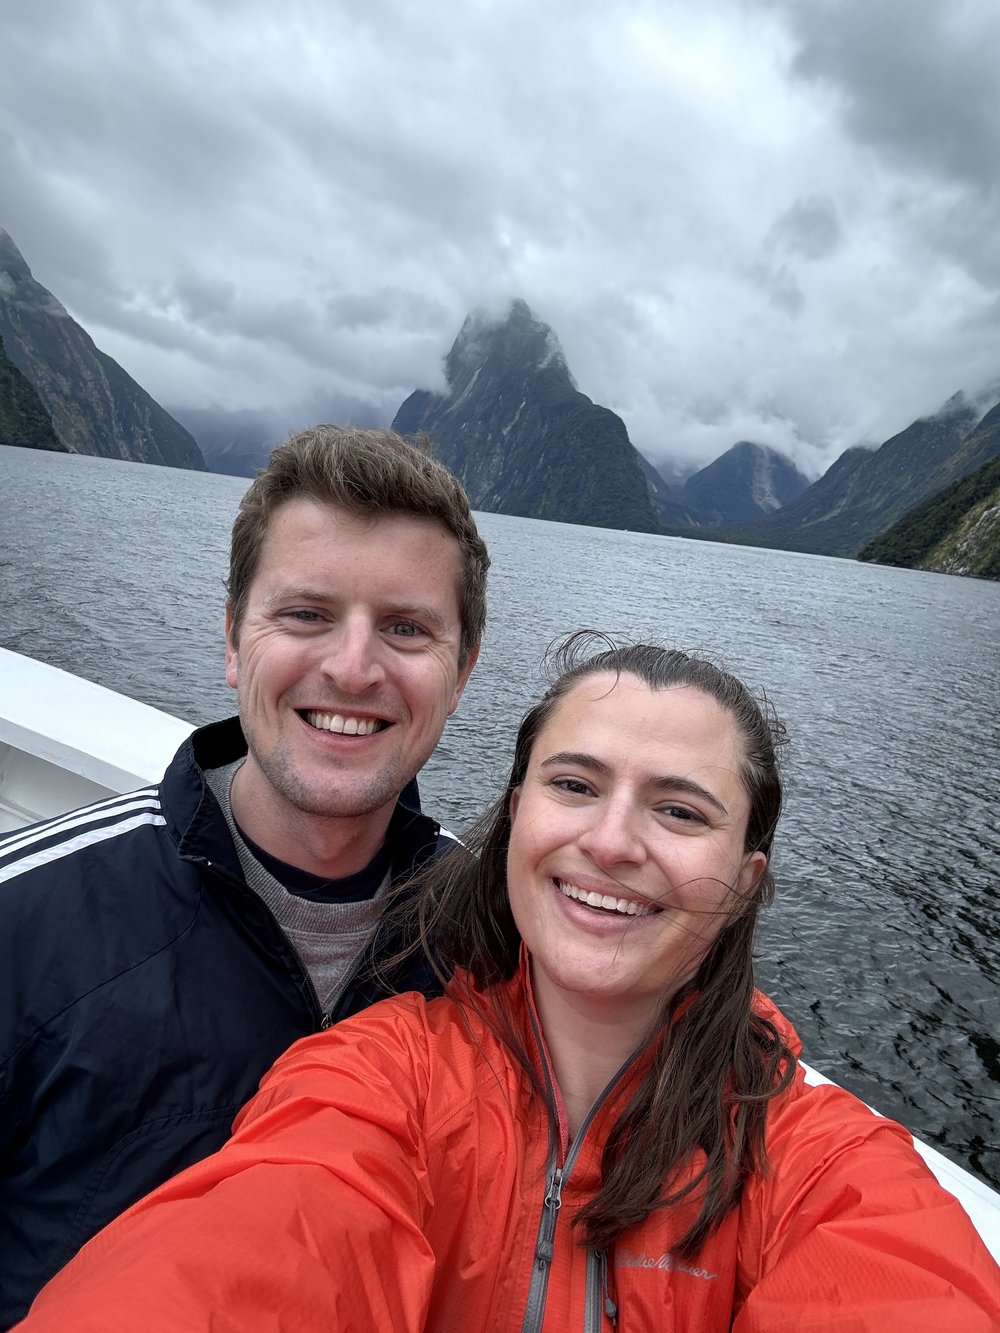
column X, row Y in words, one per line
column 516, row 996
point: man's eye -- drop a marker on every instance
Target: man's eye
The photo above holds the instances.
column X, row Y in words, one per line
column 303, row 615
column 405, row 629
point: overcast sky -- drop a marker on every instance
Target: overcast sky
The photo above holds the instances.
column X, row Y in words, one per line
column 775, row 220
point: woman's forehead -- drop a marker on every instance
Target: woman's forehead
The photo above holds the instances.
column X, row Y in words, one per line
column 625, row 706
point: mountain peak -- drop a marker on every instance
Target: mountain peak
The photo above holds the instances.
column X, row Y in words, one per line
column 11, row 259
column 746, row 482
column 515, row 338
column 17, row 282
column 519, row 434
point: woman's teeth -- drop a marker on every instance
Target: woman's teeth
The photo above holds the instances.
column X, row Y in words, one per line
column 624, row 906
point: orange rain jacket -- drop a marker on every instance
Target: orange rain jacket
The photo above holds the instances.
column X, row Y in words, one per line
column 397, row 1173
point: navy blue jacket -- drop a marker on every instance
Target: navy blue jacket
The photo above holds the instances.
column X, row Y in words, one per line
column 144, row 991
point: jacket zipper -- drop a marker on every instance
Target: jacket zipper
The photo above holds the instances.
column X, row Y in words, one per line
column 330, row 1018
column 598, row 1300
column 534, row 1310
column 320, row 1020
column 555, row 1177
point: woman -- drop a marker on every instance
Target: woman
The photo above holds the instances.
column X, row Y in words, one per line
column 602, row 1124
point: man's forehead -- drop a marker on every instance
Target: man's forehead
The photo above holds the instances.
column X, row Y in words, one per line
column 309, row 512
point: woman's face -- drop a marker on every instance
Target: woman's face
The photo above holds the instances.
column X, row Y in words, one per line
column 626, row 850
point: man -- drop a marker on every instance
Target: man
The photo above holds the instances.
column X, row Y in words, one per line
column 158, row 951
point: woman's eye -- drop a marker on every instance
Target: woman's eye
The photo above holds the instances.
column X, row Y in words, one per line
column 681, row 812
column 572, row 786
column 302, row 615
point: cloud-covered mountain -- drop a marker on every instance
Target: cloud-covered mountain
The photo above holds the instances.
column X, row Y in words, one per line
column 237, row 442
column 522, row 437
column 956, row 531
column 96, row 408
column 866, row 491
column 747, row 482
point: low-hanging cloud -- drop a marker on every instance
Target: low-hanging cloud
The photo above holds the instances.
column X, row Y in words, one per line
column 747, row 219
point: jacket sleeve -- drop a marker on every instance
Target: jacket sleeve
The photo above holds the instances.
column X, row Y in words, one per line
column 310, row 1218
column 851, row 1231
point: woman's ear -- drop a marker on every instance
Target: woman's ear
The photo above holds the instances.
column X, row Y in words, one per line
column 754, row 866
column 515, row 798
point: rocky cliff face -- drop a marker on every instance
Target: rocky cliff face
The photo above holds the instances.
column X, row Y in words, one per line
column 956, row 531
column 96, row 408
column 521, row 436
column 23, row 419
column 676, row 517
column 747, row 482
column 865, row 491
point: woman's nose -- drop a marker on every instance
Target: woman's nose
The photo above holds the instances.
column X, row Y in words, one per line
column 613, row 836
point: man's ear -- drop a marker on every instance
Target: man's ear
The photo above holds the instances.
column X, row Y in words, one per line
column 232, row 656
column 463, row 677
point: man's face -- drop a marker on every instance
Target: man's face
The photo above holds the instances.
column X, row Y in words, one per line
column 346, row 665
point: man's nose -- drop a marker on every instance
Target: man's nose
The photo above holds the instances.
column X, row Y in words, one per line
column 353, row 656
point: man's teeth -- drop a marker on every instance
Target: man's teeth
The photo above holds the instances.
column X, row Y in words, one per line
column 626, row 906
column 344, row 726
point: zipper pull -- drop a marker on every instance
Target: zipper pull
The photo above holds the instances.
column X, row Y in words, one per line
column 610, row 1308
column 550, row 1213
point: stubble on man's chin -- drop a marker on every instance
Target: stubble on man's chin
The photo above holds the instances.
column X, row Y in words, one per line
column 339, row 800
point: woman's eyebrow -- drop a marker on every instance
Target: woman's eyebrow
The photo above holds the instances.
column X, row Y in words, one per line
column 579, row 758
column 677, row 783
column 667, row 782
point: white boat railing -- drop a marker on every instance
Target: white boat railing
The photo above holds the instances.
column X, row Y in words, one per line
column 65, row 741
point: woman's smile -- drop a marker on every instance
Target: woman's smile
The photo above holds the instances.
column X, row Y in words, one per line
column 605, row 902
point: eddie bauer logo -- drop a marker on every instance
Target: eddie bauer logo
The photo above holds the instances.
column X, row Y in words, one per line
column 666, row 1263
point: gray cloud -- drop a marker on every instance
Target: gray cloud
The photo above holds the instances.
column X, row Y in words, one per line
column 747, row 219
column 916, row 82
column 809, row 228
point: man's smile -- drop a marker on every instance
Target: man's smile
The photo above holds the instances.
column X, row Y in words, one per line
column 344, row 724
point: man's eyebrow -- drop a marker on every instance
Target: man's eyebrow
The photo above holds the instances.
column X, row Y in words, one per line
column 667, row 782
column 302, row 594
column 418, row 611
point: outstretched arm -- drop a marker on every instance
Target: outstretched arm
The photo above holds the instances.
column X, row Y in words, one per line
column 851, row 1231
column 310, row 1218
